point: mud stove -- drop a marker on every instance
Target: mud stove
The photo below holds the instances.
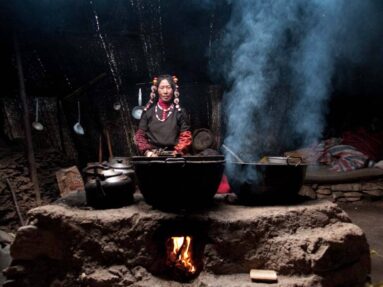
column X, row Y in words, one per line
column 310, row 244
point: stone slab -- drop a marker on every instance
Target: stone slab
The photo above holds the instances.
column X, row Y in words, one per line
column 347, row 187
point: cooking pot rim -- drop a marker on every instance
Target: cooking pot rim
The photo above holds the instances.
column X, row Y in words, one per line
column 265, row 164
column 178, row 160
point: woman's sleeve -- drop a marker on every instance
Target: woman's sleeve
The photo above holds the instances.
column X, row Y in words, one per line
column 140, row 136
column 185, row 137
column 184, row 121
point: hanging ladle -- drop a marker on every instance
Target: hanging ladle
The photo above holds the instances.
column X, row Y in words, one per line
column 36, row 125
column 233, row 154
column 138, row 110
column 117, row 104
column 78, row 129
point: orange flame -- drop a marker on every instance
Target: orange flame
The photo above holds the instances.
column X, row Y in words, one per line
column 180, row 255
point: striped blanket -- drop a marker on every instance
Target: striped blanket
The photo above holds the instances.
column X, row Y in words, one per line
column 343, row 158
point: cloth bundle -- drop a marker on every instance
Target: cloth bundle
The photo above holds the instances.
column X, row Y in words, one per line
column 343, row 158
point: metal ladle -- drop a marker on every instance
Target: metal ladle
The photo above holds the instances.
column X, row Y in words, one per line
column 117, row 104
column 78, row 129
column 138, row 110
column 36, row 125
column 233, row 154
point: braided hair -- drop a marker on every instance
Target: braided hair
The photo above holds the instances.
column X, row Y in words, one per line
column 173, row 81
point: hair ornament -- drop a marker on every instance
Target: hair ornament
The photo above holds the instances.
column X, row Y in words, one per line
column 176, row 94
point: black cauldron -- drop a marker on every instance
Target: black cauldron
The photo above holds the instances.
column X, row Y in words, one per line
column 188, row 182
column 266, row 183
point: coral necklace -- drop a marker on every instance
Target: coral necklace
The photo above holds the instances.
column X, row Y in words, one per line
column 165, row 114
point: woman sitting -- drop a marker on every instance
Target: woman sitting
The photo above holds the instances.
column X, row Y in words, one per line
column 164, row 124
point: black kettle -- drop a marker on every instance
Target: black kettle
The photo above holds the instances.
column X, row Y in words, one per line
column 106, row 187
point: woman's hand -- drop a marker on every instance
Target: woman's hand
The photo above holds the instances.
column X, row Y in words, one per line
column 176, row 153
column 151, row 153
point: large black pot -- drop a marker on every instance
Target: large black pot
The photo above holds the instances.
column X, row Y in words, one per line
column 266, row 184
column 178, row 183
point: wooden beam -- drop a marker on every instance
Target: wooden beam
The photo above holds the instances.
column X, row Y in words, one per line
column 83, row 88
column 27, row 124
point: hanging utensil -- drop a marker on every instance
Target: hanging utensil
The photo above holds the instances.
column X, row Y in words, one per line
column 233, row 154
column 36, row 125
column 117, row 104
column 78, row 129
column 138, row 110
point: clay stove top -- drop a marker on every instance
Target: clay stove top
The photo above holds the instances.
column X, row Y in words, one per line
column 310, row 244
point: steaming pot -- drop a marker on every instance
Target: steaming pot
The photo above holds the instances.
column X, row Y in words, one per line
column 266, row 183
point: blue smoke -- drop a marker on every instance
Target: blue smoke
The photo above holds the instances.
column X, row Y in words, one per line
column 279, row 58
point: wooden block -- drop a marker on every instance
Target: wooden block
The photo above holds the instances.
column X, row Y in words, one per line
column 69, row 180
column 263, row 275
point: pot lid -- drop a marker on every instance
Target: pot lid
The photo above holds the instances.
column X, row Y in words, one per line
column 202, row 139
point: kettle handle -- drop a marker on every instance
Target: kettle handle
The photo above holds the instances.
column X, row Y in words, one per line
column 92, row 167
column 99, row 187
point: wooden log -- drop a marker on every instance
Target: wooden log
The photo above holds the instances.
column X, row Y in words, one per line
column 27, row 125
column 100, row 149
column 263, row 275
column 109, row 144
column 83, row 88
column 22, row 222
column 60, row 124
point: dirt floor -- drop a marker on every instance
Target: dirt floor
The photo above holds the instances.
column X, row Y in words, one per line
column 368, row 215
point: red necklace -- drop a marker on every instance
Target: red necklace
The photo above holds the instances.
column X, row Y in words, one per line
column 165, row 114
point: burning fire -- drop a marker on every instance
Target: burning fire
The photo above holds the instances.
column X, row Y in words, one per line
column 180, row 254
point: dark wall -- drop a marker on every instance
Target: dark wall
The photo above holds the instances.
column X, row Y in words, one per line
column 65, row 44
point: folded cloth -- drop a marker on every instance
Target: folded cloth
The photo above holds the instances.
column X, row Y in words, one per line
column 343, row 158
column 313, row 153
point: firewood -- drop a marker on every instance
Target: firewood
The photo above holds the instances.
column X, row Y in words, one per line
column 263, row 275
column 22, row 222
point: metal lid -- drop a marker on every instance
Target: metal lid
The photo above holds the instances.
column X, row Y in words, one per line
column 202, row 139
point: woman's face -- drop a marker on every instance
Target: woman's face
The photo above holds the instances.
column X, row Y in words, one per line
column 165, row 91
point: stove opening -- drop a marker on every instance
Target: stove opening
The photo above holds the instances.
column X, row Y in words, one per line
column 179, row 254
column 179, row 248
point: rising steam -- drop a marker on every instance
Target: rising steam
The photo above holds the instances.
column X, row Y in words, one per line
column 278, row 58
